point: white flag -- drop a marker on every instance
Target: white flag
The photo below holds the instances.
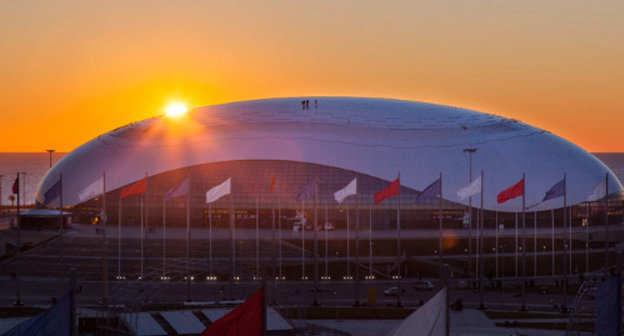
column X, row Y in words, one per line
column 350, row 189
column 96, row 188
column 599, row 192
column 473, row 188
column 218, row 191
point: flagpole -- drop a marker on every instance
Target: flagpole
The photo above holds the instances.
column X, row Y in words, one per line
column 516, row 252
column 477, row 244
column 357, row 247
column 496, row 240
column 348, row 245
column 535, row 243
column 188, row 244
column 23, row 189
column 18, row 257
column 273, row 277
column 61, row 203
column 370, row 241
column 164, row 238
column 279, row 230
column 233, row 236
column 119, row 240
column 570, row 237
column 470, row 151
column 257, row 238
column 523, row 307
column 104, row 220
column 142, row 206
column 552, row 244
column 326, row 243
column 315, row 302
column 398, row 302
column 146, row 227
column 210, row 240
column 61, row 222
column 441, row 245
column 587, row 237
column 606, row 205
column 481, row 303
column 564, row 308
column 303, row 224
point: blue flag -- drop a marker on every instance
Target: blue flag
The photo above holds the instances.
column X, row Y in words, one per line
column 52, row 322
column 305, row 192
column 608, row 307
column 433, row 190
column 181, row 190
column 555, row 191
column 52, row 193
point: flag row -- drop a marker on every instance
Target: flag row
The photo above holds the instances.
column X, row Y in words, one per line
column 307, row 191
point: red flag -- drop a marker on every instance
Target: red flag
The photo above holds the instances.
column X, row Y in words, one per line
column 272, row 183
column 511, row 192
column 16, row 185
column 246, row 319
column 134, row 189
column 391, row 190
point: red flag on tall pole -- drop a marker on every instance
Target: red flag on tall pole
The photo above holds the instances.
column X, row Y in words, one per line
column 246, row 319
column 511, row 192
column 391, row 190
column 16, row 185
column 134, row 189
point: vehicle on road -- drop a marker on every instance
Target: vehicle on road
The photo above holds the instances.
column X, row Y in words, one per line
column 462, row 284
column 393, row 291
column 423, row 285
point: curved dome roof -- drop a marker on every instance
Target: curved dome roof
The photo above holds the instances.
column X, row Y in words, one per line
column 378, row 137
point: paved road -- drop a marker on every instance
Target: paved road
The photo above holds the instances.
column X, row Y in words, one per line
column 39, row 291
column 177, row 232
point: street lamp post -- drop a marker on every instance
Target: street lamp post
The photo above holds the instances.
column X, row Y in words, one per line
column 50, row 151
column 470, row 151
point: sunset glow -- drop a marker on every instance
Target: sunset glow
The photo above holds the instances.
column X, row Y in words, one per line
column 175, row 110
column 83, row 68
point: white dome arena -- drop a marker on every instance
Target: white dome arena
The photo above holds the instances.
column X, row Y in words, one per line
column 375, row 137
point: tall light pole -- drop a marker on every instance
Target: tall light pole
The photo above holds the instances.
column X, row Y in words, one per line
column 470, row 151
column 50, row 151
column 1, row 190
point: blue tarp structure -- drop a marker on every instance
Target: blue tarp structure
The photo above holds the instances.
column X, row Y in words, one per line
column 608, row 307
column 56, row 321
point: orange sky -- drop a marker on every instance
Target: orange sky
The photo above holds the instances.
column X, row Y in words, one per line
column 71, row 70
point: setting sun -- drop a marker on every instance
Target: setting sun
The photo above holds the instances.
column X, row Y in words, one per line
column 175, row 110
